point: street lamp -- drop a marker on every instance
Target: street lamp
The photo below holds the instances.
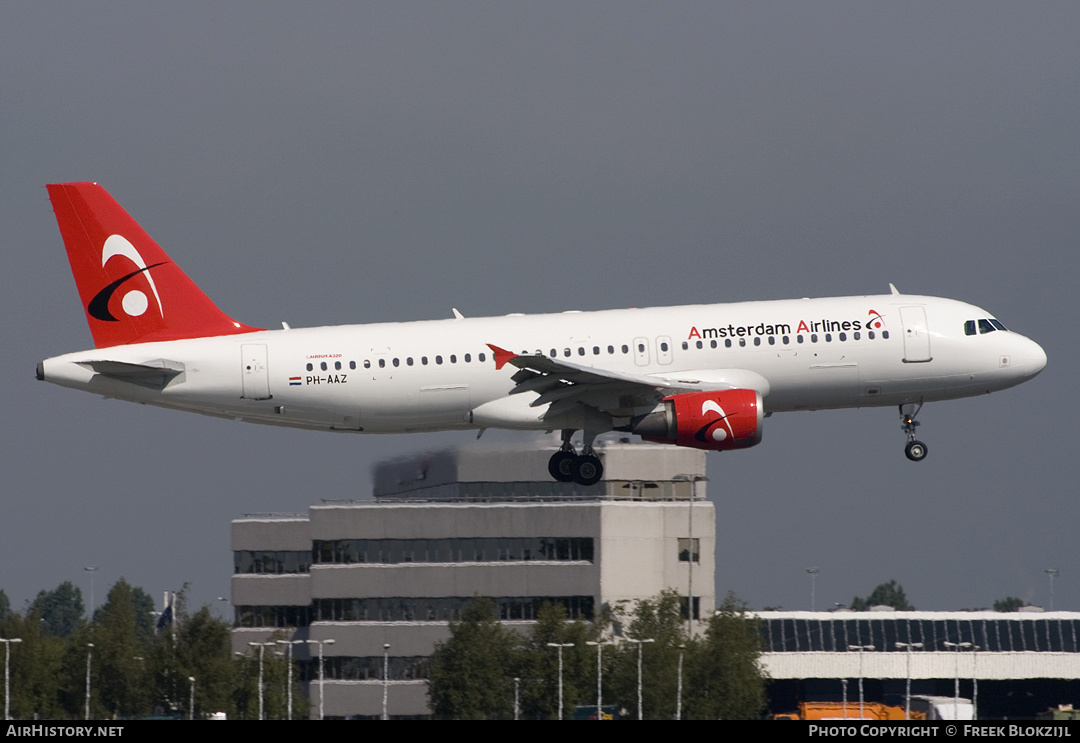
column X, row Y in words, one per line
column 559, row 646
column 693, row 480
column 599, row 676
column 1052, row 572
column 639, row 644
column 191, row 704
column 385, row 678
column 89, row 652
column 678, row 689
column 320, row 643
column 288, row 659
column 7, row 674
column 262, row 646
column 909, row 646
column 860, row 648
column 813, row 572
column 956, row 687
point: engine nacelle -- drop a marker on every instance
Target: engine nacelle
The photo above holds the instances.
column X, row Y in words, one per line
column 718, row 421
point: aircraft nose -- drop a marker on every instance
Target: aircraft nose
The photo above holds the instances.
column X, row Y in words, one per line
column 1032, row 358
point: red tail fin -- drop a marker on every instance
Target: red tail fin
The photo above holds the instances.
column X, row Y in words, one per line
column 131, row 291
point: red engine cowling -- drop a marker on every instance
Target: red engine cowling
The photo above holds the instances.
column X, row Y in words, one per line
column 718, row 421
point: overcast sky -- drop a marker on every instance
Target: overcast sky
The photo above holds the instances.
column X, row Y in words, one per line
column 325, row 163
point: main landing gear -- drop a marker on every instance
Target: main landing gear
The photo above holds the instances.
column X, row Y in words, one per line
column 915, row 450
column 566, row 465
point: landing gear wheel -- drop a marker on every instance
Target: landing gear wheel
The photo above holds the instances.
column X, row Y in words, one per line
column 915, row 451
column 561, row 466
column 587, row 470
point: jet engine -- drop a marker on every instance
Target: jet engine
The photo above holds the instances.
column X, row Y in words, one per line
column 718, row 421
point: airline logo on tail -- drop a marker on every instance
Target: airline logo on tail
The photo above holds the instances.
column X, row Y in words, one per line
column 133, row 302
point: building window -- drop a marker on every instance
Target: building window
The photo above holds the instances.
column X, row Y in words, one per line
column 684, row 549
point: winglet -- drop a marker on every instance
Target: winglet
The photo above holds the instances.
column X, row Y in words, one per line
column 502, row 356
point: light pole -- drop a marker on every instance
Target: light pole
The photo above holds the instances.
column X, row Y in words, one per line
column 860, row 648
column 7, row 674
column 639, row 644
column 191, row 704
column 678, row 689
column 91, row 569
column 599, row 676
column 385, row 678
column 517, row 697
column 288, row 659
column 320, row 643
column 89, row 652
column 956, row 687
column 559, row 646
column 1052, row 572
column 693, row 480
column 909, row 646
column 262, row 646
column 813, row 572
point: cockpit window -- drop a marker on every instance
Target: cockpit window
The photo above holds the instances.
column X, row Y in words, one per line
column 986, row 327
column 969, row 327
column 997, row 325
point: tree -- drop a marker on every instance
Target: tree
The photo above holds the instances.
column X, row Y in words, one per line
column 886, row 594
column 60, row 610
column 1009, row 603
column 5, row 606
column 539, row 667
column 120, row 652
column 472, row 673
column 725, row 678
column 661, row 620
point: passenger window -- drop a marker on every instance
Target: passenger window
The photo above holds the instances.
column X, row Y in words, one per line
column 969, row 327
column 885, row 334
column 757, row 340
column 727, row 343
column 813, row 337
column 367, row 364
column 310, row 367
column 742, row 343
column 423, row 360
column 828, row 337
column 700, row 344
column 482, row 357
column 712, row 344
column 611, row 349
column 566, row 352
column 382, row 363
column 663, row 347
column 626, row 349
column 408, row 361
column 438, row 359
column 397, row 362
column 596, row 350
column 337, row 365
column 453, row 358
column 772, row 340
column 352, row 364
column 468, row 358
column 323, row 366
column 856, row 335
column 641, row 348
column 686, row 345
column 870, row 335
column 581, row 351
column 798, row 338
column 554, row 353
column 786, row 340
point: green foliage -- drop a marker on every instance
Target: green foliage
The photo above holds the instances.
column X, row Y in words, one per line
column 1009, row 603
column 472, row 673
column 119, row 667
column 660, row 619
column 725, row 678
column 61, row 610
column 539, row 665
column 886, row 594
column 5, row 606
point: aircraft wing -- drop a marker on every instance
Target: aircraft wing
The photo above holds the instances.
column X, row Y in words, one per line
column 564, row 383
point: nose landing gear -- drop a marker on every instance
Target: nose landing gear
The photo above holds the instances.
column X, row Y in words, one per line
column 915, row 450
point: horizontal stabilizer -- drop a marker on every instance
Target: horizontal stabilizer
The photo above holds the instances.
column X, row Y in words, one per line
column 153, row 374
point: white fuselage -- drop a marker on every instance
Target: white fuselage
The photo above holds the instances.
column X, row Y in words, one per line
column 802, row 354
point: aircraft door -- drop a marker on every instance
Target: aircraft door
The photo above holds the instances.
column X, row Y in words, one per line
column 641, row 351
column 663, row 349
column 256, row 380
column 916, row 335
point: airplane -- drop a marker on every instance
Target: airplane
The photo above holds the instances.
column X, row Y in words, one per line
column 702, row 376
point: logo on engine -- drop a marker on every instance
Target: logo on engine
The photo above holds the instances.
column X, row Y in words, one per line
column 134, row 302
column 717, row 429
